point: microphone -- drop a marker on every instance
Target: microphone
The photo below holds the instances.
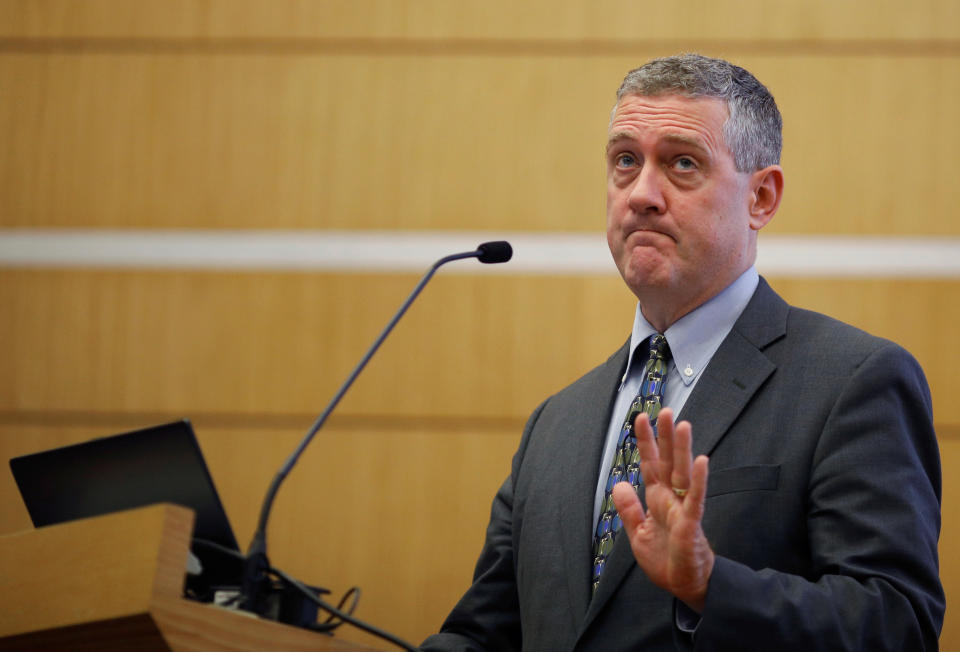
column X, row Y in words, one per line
column 257, row 565
column 499, row 251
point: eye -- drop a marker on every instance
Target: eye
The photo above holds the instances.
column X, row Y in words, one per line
column 684, row 163
column 625, row 160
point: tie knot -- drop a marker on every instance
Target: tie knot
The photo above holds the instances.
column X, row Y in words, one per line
column 659, row 349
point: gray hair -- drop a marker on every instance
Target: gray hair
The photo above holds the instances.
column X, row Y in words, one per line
column 753, row 130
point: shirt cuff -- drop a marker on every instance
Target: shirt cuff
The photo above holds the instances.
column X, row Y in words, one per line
column 687, row 619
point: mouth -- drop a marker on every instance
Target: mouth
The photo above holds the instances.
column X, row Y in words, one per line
column 647, row 238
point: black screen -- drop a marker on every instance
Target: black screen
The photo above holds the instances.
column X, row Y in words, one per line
column 134, row 469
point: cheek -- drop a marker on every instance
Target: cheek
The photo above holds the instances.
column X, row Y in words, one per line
column 614, row 242
column 617, row 190
column 614, row 214
column 611, row 202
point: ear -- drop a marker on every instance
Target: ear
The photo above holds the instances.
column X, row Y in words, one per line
column 766, row 187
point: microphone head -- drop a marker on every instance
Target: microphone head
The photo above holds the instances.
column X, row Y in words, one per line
column 499, row 251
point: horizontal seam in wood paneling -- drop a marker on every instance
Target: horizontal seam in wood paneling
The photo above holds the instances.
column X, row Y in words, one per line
column 491, row 47
column 266, row 421
column 291, row 421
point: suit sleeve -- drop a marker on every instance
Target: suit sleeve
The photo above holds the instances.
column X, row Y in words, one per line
column 487, row 617
column 873, row 520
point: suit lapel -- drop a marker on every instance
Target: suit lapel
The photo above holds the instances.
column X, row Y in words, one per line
column 586, row 431
column 735, row 373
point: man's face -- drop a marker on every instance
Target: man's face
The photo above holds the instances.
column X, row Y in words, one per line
column 678, row 211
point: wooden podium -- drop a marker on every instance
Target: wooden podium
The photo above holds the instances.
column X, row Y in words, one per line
column 114, row 583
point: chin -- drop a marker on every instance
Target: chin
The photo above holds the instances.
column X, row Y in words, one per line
column 647, row 282
column 647, row 267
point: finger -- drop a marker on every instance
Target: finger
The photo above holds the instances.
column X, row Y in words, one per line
column 649, row 456
column 665, row 443
column 682, row 455
column 693, row 505
column 628, row 506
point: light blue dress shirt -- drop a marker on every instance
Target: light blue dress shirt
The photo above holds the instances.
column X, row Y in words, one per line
column 693, row 340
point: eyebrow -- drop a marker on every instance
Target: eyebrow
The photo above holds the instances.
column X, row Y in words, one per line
column 616, row 137
column 675, row 139
column 680, row 139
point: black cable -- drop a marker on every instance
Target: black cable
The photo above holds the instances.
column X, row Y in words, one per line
column 332, row 622
column 359, row 624
column 335, row 612
column 352, row 591
column 213, row 545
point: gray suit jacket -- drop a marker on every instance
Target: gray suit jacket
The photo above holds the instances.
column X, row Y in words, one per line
column 823, row 507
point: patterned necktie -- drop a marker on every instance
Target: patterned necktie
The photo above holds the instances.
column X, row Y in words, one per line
column 626, row 461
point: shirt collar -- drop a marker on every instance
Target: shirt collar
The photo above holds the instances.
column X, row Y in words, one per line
column 696, row 336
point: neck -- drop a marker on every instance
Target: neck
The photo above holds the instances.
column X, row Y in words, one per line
column 662, row 309
column 661, row 319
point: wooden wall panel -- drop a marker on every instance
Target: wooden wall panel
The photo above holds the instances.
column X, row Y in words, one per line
column 266, row 141
column 499, row 19
column 272, row 344
column 260, row 140
column 476, row 346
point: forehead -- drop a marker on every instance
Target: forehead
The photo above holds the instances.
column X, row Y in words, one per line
column 698, row 120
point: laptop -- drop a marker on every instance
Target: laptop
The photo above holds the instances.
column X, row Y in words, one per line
column 129, row 470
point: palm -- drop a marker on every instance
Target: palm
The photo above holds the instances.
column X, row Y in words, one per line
column 667, row 540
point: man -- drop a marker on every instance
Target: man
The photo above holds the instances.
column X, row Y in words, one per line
column 809, row 519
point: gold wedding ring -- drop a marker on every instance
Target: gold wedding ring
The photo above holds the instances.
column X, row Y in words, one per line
column 680, row 493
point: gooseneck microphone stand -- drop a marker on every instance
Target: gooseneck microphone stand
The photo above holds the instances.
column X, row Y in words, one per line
column 256, row 581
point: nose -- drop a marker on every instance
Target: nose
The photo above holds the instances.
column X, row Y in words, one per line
column 646, row 194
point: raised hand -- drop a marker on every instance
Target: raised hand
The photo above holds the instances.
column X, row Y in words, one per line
column 667, row 541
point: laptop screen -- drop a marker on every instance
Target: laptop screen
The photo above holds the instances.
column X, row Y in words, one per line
column 134, row 469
